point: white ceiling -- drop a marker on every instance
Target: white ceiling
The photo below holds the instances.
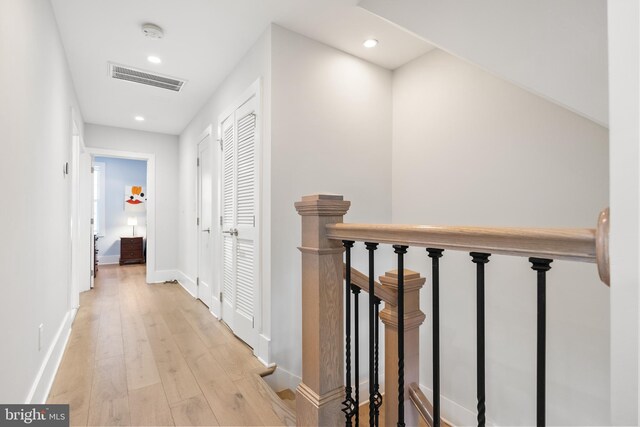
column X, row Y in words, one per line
column 555, row 49
column 204, row 39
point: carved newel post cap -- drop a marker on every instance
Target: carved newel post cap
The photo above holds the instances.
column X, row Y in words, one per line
column 413, row 317
column 322, row 205
column 412, row 280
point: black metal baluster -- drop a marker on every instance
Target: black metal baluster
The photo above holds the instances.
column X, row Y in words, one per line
column 400, row 251
column 377, row 397
column 435, row 254
column 541, row 266
column 480, row 259
column 356, row 353
column 371, row 247
column 348, row 403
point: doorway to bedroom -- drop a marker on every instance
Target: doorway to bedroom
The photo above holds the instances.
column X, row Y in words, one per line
column 119, row 211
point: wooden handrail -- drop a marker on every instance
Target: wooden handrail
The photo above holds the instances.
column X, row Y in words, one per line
column 574, row 244
column 361, row 280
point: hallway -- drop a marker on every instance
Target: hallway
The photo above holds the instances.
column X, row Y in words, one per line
column 143, row 354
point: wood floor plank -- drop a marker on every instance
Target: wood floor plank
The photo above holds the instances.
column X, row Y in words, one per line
column 194, row 411
column 190, row 344
column 75, row 373
column 140, row 363
column 177, row 379
column 109, row 346
column 228, row 403
column 209, row 329
column 110, row 334
column 109, row 404
column 149, row 407
column 176, row 322
column 236, row 359
column 72, row 386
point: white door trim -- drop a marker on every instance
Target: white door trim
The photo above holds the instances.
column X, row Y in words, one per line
column 152, row 274
column 74, row 216
column 206, row 134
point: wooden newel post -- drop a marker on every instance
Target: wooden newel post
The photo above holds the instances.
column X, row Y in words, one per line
column 319, row 395
column 413, row 318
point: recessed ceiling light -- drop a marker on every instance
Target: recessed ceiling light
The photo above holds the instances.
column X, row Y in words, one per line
column 370, row 43
column 139, row 119
column 154, row 59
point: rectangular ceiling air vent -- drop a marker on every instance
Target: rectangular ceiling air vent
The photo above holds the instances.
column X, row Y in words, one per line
column 120, row 72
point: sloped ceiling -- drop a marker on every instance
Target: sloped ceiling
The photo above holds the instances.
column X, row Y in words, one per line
column 554, row 48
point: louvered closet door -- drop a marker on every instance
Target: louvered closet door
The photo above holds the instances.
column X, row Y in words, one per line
column 239, row 221
column 228, row 220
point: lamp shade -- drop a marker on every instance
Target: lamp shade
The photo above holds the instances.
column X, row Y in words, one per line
column 132, row 220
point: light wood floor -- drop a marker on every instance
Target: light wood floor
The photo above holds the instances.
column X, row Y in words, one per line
column 152, row 355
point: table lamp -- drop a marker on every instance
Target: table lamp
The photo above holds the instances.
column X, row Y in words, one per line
column 132, row 221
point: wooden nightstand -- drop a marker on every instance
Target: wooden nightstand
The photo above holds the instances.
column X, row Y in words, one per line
column 131, row 250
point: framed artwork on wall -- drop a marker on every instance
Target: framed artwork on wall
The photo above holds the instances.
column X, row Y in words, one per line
column 135, row 199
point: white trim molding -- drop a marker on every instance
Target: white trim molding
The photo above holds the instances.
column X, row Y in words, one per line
column 282, row 379
column 108, row 260
column 452, row 411
column 216, row 307
column 43, row 381
column 187, row 283
column 161, row 276
column 152, row 275
column 263, row 350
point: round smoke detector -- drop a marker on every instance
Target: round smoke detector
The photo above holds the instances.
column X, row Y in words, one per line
column 152, row 31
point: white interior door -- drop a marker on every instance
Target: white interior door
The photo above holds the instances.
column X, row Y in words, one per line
column 204, row 222
column 239, row 236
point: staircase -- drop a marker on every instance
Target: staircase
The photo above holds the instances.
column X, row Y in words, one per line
column 279, row 402
column 329, row 391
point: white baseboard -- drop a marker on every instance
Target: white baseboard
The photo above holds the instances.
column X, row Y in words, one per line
column 216, row 307
column 282, row 380
column 47, row 373
column 160, row 276
column 263, row 350
column 187, row 283
column 108, row 259
column 453, row 412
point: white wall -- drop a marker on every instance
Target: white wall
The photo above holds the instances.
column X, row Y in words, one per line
column 320, row 141
column 624, row 84
column 331, row 133
column 35, row 121
column 165, row 149
column 472, row 149
column 256, row 64
column 556, row 48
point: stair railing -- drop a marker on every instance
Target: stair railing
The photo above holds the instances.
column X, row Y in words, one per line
column 326, row 396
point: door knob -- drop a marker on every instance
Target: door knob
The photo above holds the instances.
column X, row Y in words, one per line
column 206, row 230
